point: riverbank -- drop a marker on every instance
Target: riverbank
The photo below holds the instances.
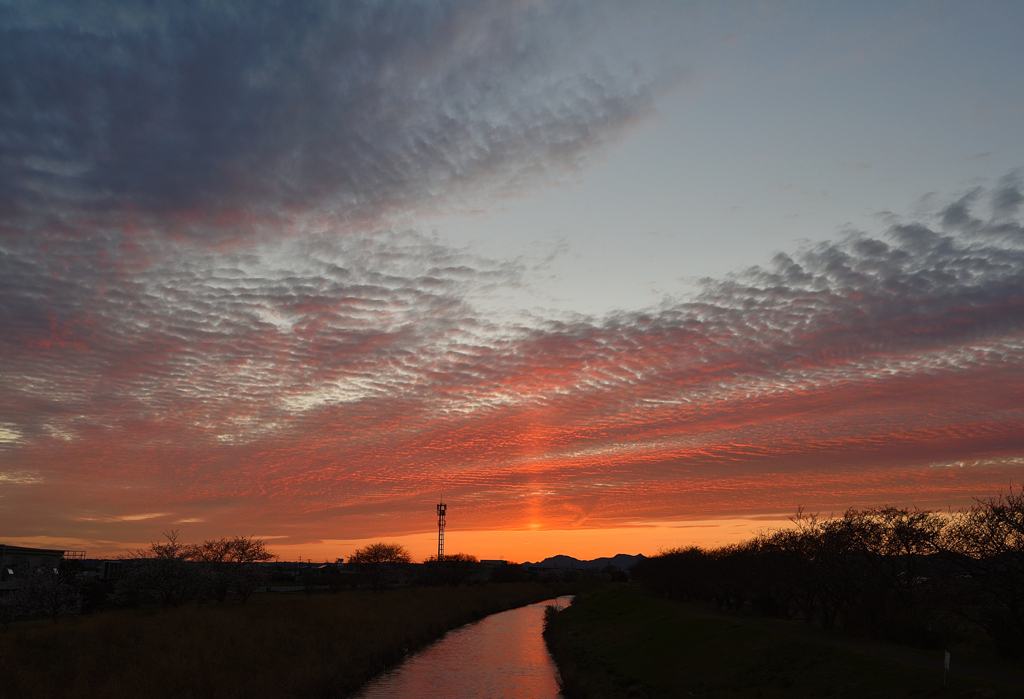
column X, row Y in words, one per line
column 276, row 645
column 500, row 657
column 622, row 643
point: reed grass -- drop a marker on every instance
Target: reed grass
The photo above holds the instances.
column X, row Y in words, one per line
column 276, row 645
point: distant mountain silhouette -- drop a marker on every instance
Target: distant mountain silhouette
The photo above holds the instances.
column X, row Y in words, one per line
column 622, row 561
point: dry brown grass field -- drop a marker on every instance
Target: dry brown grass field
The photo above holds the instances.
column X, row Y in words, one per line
column 276, row 645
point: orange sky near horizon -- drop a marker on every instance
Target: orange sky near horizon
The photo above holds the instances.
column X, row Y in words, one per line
column 510, row 545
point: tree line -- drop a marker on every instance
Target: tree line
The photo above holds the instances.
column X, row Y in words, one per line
column 169, row 574
column 384, row 564
column 912, row 576
column 172, row 573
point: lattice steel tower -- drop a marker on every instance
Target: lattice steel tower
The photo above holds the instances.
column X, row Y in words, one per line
column 441, row 509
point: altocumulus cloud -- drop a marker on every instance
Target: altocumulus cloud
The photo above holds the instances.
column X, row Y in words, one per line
column 352, row 110
column 215, row 306
column 348, row 376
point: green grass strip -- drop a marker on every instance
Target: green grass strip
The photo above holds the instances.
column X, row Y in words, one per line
column 623, row 643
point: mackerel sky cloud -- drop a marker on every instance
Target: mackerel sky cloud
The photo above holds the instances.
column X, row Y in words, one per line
column 293, row 270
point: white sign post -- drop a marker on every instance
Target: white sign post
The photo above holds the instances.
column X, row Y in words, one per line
column 945, row 668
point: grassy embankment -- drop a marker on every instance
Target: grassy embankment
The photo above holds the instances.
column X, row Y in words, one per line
column 623, row 643
column 281, row 646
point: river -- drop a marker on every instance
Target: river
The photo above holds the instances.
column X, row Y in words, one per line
column 502, row 655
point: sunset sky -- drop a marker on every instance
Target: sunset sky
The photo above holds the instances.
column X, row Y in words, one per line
column 614, row 277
